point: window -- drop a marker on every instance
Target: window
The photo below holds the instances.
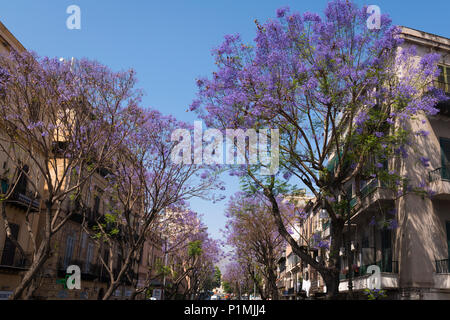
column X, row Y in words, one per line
column 23, row 180
column 84, row 240
column 443, row 81
column 349, row 192
column 98, row 195
column 4, row 185
column 106, row 256
column 96, row 206
column 70, row 244
column 9, row 248
column 89, row 254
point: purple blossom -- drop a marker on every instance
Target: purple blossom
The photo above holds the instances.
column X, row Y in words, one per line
column 425, row 161
column 423, row 133
column 204, row 175
column 361, row 118
column 393, row 224
column 324, row 244
column 287, row 175
column 281, row 12
column 392, row 212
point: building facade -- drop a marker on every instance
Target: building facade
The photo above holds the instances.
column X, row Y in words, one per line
column 406, row 237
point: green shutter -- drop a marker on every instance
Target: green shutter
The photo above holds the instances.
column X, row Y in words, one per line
column 447, row 79
column 447, row 224
column 445, row 157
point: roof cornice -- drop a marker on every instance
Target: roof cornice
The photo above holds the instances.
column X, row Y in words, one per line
column 9, row 40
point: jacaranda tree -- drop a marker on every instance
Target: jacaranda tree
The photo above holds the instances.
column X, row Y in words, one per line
column 341, row 95
column 252, row 232
column 145, row 184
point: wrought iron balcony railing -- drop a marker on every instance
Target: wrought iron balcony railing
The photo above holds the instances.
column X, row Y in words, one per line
column 442, row 266
column 14, row 258
column 442, row 173
column 23, row 199
column 389, row 267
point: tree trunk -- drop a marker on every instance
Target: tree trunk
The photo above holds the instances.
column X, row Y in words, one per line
column 42, row 256
column 39, row 259
column 112, row 287
column 331, row 273
column 272, row 282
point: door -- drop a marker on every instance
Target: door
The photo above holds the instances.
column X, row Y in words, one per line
column 9, row 249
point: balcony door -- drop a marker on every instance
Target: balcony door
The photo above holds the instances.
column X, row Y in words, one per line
column 9, row 248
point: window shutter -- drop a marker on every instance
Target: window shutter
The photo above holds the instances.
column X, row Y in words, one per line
column 445, row 151
column 69, row 251
column 447, row 225
column 447, row 82
column 445, row 156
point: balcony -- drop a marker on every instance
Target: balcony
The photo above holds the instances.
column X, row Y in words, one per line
column 14, row 259
column 440, row 178
column 442, row 173
column 389, row 277
column 365, row 191
column 442, row 266
column 79, row 214
column 22, row 199
column 89, row 271
column 372, row 194
column 389, row 267
column 281, row 279
column 442, row 276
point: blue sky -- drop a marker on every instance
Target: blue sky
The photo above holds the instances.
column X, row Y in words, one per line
column 169, row 42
